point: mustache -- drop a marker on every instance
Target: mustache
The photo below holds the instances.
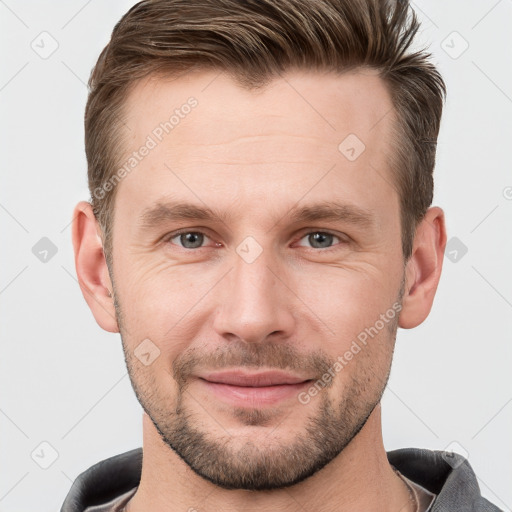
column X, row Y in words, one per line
column 270, row 355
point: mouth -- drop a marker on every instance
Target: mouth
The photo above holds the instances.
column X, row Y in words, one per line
column 254, row 389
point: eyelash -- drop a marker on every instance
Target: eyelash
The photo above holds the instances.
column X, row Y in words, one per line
column 324, row 232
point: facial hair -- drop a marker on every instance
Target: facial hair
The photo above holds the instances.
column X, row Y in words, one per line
column 226, row 462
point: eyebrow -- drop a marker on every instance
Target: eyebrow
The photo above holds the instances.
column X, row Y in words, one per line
column 333, row 211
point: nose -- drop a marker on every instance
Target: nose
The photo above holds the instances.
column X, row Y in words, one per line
column 255, row 302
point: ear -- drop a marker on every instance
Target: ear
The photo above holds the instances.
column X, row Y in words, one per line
column 423, row 269
column 91, row 267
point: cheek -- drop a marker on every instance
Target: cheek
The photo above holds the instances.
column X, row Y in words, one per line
column 363, row 364
column 347, row 300
column 167, row 307
column 154, row 383
column 156, row 295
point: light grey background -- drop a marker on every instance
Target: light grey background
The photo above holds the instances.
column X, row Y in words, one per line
column 63, row 379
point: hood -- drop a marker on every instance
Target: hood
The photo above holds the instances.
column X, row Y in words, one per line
column 449, row 475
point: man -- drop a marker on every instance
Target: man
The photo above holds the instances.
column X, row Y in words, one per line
column 259, row 227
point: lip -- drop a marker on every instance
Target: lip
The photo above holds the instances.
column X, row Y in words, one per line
column 253, row 389
column 260, row 379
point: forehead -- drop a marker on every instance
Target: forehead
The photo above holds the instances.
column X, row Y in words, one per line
column 327, row 103
column 209, row 135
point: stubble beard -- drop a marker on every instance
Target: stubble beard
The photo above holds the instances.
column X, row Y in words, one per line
column 228, row 462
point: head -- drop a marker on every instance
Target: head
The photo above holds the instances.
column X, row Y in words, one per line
column 278, row 218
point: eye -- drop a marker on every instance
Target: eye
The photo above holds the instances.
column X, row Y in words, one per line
column 197, row 239
column 320, row 239
column 188, row 239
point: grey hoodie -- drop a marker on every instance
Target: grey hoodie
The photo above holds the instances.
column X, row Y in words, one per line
column 447, row 475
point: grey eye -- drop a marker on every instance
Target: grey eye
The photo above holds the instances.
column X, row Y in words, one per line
column 191, row 239
column 320, row 239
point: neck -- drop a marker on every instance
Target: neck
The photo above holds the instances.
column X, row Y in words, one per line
column 359, row 478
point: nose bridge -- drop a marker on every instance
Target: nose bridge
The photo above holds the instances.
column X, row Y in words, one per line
column 254, row 280
column 254, row 301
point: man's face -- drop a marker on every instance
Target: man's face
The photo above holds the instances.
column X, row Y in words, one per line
column 261, row 288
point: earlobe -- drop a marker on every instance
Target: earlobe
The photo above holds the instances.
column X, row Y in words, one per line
column 423, row 270
column 91, row 267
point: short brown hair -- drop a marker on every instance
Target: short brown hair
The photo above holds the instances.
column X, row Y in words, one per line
column 254, row 41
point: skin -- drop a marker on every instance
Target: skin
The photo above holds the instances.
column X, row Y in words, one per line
column 254, row 156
